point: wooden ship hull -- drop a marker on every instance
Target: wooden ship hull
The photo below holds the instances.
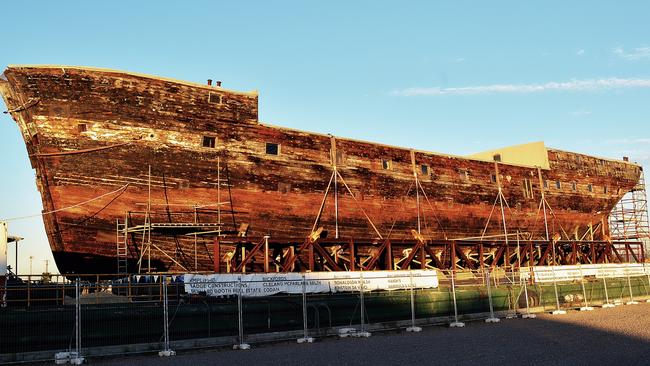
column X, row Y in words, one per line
column 167, row 175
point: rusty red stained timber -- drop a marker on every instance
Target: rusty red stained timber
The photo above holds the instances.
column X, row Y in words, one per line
column 352, row 256
column 88, row 131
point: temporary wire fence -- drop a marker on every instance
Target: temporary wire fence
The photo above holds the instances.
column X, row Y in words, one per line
column 96, row 315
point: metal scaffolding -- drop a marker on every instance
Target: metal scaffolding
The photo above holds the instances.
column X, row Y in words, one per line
column 134, row 241
column 628, row 221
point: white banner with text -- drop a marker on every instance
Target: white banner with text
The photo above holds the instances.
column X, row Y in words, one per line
column 265, row 284
column 580, row 271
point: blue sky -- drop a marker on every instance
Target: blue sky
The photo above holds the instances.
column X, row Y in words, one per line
column 453, row 76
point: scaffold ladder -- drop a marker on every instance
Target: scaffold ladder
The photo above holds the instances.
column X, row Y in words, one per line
column 121, row 244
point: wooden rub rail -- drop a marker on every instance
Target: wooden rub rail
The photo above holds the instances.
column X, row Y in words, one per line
column 267, row 254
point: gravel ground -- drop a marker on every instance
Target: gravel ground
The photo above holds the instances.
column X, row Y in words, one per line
column 619, row 336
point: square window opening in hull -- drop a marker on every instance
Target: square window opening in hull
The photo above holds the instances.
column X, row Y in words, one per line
column 209, row 141
column 272, row 148
column 425, row 169
column 215, row 98
column 386, row 164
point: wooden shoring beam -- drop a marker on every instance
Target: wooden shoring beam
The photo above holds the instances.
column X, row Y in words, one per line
column 383, row 249
column 443, row 254
column 433, row 257
column 604, row 255
column 523, row 252
column 618, row 255
column 628, row 247
column 233, row 259
column 498, row 256
column 310, row 257
column 562, row 257
column 278, row 252
column 388, row 256
column 461, row 254
column 514, row 258
column 582, row 257
column 423, row 258
column 325, row 256
column 414, row 251
column 250, row 255
column 642, row 249
column 293, row 256
column 593, row 253
column 574, row 253
column 543, row 259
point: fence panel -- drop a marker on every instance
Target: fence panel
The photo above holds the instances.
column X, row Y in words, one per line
column 208, row 309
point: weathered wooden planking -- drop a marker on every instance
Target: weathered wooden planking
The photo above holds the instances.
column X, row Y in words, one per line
column 129, row 122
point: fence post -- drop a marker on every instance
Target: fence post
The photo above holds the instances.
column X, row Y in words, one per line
column 455, row 323
column 128, row 289
column 166, row 352
column 73, row 357
column 29, row 290
column 412, row 328
column 645, row 270
column 513, row 304
column 607, row 304
column 629, row 284
column 557, row 310
column 305, row 336
column 363, row 332
column 528, row 314
column 4, row 290
column 492, row 318
column 584, row 291
column 240, row 318
column 97, row 289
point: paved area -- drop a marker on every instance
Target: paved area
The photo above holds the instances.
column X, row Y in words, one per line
column 619, row 336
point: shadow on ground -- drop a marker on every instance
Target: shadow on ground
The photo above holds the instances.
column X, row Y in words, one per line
column 600, row 337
